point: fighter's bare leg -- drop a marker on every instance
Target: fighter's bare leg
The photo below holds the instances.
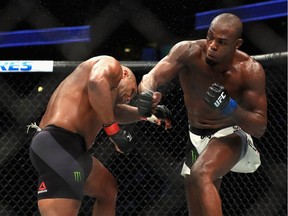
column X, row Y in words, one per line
column 59, row 207
column 217, row 159
column 102, row 185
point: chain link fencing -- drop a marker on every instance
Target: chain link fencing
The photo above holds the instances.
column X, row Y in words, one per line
column 149, row 177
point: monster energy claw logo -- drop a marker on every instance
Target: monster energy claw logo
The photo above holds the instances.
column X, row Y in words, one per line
column 194, row 156
column 77, row 176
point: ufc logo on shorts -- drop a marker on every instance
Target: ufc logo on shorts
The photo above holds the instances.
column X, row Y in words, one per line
column 219, row 100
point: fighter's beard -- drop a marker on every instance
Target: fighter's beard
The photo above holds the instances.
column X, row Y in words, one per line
column 210, row 62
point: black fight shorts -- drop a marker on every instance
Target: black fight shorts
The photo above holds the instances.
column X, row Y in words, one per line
column 62, row 163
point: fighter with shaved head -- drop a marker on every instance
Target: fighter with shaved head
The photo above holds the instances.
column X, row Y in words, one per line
column 93, row 97
column 225, row 98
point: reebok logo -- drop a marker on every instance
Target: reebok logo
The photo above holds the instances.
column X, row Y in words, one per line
column 42, row 188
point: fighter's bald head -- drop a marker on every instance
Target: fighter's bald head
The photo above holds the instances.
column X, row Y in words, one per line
column 230, row 21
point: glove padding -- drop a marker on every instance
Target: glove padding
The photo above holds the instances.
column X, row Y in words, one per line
column 145, row 103
column 162, row 114
column 122, row 140
column 217, row 98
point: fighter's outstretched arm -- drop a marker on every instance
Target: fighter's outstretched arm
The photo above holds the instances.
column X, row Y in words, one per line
column 165, row 70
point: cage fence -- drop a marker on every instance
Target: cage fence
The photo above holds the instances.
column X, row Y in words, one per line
column 149, row 176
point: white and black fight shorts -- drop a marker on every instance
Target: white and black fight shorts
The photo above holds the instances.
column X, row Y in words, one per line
column 198, row 139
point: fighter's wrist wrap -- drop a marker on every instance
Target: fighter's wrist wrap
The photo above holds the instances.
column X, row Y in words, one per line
column 152, row 118
column 230, row 107
column 111, row 129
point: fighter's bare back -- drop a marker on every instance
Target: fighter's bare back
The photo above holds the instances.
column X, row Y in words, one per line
column 69, row 105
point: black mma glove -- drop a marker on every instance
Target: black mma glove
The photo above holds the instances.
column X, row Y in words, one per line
column 121, row 138
column 218, row 98
column 162, row 112
column 145, row 103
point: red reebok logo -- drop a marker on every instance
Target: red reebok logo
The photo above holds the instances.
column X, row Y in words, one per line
column 42, row 188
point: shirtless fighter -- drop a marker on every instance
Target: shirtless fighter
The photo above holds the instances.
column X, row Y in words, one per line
column 94, row 96
column 224, row 93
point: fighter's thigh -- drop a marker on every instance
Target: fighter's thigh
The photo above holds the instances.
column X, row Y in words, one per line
column 220, row 155
column 100, row 182
column 59, row 207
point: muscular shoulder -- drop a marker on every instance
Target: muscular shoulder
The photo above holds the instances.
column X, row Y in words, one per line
column 187, row 49
column 248, row 63
column 109, row 60
column 103, row 63
column 251, row 69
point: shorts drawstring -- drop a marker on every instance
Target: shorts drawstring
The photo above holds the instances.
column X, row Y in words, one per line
column 34, row 126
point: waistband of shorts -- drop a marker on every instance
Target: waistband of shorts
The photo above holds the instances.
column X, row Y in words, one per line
column 203, row 132
column 52, row 126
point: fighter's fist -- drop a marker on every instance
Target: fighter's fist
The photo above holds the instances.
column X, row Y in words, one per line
column 218, row 98
column 162, row 114
column 145, row 103
column 121, row 138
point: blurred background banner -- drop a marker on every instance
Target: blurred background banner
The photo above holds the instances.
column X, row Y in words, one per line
column 129, row 29
column 249, row 12
column 44, row 36
column 58, row 35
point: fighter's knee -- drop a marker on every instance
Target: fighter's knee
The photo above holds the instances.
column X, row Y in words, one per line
column 101, row 184
column 108, row 193
column 112, row 189
column 199, row 176
column 109, row 190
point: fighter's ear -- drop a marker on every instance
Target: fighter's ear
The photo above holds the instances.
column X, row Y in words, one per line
column 125, row 72
column 239, row 43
